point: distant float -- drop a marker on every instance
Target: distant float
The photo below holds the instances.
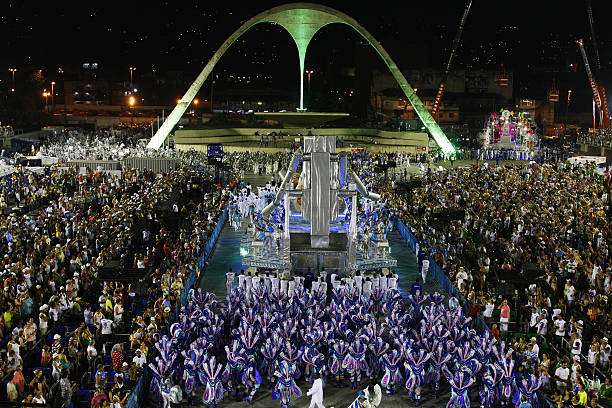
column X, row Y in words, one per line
column 510, row 131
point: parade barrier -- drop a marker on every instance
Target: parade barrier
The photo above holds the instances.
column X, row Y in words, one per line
column 435, row 271
column 137, row 397
column 154, row 164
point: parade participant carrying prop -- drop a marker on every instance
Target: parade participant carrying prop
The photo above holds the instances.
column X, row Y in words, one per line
column 489, row 390
column 414, row 361
column 377, row 349
column 162, row 369
column 192, row 366
column 270, row 351
column 392, row 376
column 355, row 362
column 439, row 357
column 338, row 352
column 507, row 366
column 211, row 375
column 235, row 364
column 251, row 379
column 286, row 388
column 528, row 387
column 460, row 384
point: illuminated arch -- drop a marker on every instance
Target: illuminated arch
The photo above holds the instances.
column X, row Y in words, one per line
column 302, row 21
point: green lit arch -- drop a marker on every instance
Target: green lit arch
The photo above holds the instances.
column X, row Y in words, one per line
column 302, row 21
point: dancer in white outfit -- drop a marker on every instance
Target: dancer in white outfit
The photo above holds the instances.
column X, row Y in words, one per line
column 316, row 392
column 425, row 270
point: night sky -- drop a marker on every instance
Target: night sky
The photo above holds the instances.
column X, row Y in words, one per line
column 182, row 35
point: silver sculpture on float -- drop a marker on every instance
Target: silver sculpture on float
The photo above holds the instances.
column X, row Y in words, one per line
column 315, row 232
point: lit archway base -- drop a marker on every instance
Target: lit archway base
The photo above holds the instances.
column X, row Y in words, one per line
column 302, row 21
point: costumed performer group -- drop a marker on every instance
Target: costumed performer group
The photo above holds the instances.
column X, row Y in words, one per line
column 268, row 338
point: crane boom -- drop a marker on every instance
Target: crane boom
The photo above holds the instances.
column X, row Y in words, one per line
column 598, row 91
column 456, row 40
column 593, row 37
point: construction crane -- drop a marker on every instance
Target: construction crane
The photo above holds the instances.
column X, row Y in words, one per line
column 436, row 105
column 599, row 92
column 593, row 37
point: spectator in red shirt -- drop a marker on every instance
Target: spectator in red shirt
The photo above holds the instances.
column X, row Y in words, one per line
column 495, row 331
column 504, row 316
column 117, row 357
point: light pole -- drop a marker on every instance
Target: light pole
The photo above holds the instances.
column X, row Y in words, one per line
column 309, row 72
column 131, row 102
column 13, row 70
column 52, row 100
column 132, row 69
column 45, row 94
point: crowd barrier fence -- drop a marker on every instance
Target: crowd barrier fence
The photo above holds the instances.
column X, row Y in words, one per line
column 137, row 397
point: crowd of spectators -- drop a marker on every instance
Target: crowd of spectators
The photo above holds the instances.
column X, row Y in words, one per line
column 599, row 137
column 482, row 222
column 63, row 331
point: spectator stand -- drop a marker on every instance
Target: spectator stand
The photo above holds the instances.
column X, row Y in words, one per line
column 139, row 392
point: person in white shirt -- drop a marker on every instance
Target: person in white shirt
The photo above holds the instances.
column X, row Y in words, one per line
column 43, row 319
column 316, row 391
column 92, row 352
column 560, row 327
column 489, row 307
column 571, row 294
column 359, row 283
column 575, row 346
column 392, row 282
column 542, row 326
column 535, row 316
column 562, row 375
column 54, row 314
column 229, row 281
column 118, row 312
column 536, row 348
column 461, row 277
column 139, row 359
column 604, row 353
column 107, row 329
column 367, row 288
column 593, row 354
column 425, row 270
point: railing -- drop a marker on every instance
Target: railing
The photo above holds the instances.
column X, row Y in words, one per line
column 137, row 397
column 596, row 140
column 435, row 271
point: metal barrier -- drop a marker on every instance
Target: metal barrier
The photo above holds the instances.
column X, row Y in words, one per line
column 96, row 164
column 155, row 164
column 437, row 272
column 136, row 399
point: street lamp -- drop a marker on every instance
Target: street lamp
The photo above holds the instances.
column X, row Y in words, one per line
column 131, row 102
column 46, row 94
column 132, row 69
column 309, row 72
column 13, row 70
column 52, row 102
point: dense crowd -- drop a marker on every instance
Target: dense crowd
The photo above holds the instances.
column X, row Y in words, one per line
column 599, row 137
column 483, row 222
column 66, row 332
column 61, row 326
